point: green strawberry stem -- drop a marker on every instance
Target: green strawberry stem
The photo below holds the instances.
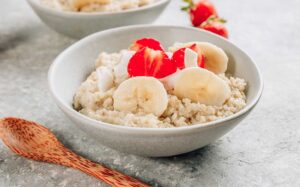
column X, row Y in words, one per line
column 214, row 18
column 189, row 6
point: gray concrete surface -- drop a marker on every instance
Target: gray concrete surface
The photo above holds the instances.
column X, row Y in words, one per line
column 264, row 150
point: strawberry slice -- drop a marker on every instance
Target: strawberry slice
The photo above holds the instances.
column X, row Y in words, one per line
column 215, row 25
column 150, row 62
column 146, row 42
column 178, row 56
column 201, row 58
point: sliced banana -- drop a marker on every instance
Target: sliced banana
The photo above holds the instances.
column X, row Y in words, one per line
column 78, row 4
column 201, row 85
column 145, row 93
column 216, row 59
column 190, row 60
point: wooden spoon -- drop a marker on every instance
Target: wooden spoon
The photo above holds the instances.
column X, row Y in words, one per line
column 36, row 142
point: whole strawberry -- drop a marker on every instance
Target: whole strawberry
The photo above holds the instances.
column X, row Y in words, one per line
column 215, row 25
column 199, row 11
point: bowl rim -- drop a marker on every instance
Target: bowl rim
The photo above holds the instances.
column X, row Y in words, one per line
column 91, row 14
column 146, row 130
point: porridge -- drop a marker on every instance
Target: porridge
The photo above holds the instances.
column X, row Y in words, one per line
column 146, row 86
column 96, row 5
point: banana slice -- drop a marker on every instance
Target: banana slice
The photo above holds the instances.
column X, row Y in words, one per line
column 78, row 4
column 216, row 59
column 141, row 93
column 190, row 60
column 201, row 85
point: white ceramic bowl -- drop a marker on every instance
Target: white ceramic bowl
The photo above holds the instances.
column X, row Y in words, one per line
column 73, row 65
column 80, row 24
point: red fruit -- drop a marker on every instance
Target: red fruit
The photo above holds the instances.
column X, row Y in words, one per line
column 215, row 25
column 178, row 56
column 150, row 62
column 200, row 11
column 146, row 42
column 201, row 59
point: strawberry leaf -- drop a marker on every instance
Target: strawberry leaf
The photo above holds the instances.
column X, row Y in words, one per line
column 189, row 6
column 213, row 18
column 186, row 8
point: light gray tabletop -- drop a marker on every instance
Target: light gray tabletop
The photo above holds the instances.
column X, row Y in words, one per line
column 264, row 150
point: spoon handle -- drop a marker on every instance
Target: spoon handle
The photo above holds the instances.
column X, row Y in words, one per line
column 101, row 172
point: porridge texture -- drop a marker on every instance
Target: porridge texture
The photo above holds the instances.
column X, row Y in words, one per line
column 96, row 5
column 99, row 105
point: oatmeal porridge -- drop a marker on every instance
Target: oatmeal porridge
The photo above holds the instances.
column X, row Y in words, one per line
column 146, row 86
column 96, row 5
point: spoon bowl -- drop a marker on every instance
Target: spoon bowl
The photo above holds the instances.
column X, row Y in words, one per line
column 31, row 140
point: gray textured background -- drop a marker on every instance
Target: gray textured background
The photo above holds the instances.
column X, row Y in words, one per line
column 264, row 150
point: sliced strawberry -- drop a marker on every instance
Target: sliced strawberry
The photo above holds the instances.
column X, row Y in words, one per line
column 201, row 59
column 146, row 42
column 215, row 25
column 149, row 62
column 178, row 56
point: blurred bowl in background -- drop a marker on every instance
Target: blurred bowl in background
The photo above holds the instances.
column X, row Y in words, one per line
column 80, row 24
